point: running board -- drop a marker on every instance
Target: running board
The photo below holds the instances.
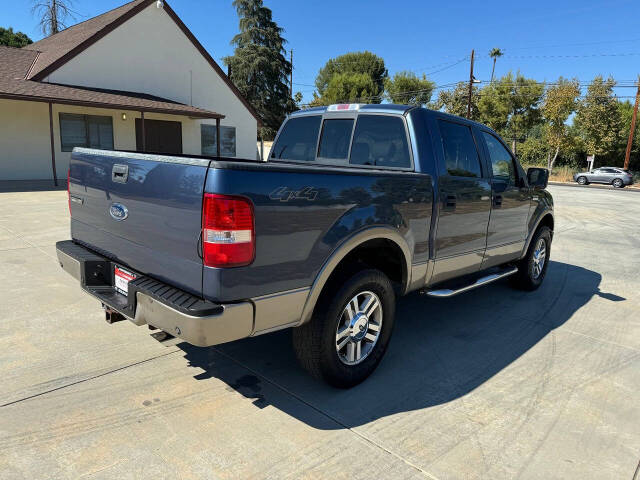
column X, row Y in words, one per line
column 445, row 292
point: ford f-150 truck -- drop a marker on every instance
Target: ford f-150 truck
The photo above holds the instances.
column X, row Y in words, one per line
column 356, row 205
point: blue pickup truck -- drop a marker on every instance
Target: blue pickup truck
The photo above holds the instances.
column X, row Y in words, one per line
column 356, row 206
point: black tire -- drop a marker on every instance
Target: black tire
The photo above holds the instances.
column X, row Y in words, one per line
column 582, row 180
column 526, row 279
column 617, row 183
column 315, row 342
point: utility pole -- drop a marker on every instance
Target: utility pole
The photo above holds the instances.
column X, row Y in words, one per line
column 291, row 77
column 633, row 126
column 470, row 87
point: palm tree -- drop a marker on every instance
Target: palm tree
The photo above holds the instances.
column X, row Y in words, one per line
column 52, row 14
column 495, row 53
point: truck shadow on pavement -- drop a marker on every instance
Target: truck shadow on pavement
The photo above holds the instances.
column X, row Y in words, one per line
column 441, row 350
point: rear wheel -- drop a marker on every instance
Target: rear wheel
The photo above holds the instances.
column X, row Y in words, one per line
column 533, row 267
column 583, row 180
column 618, row 183
column 349, row 332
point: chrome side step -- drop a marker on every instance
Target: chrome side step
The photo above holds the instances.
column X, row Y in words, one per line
column 445, row 292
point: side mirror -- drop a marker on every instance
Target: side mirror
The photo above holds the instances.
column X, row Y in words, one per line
column 538, row 178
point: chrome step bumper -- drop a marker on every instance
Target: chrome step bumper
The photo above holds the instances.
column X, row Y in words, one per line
column 181, row 314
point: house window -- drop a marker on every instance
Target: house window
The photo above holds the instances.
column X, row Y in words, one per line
column 91, row 131
column 208, row 140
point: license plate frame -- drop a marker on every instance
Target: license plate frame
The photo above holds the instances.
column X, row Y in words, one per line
column 121, row 279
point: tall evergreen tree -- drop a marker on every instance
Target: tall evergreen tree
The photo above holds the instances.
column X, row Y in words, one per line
column 259, row 67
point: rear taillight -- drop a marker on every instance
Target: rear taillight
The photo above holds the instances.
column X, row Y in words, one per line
column 228, row 234
column 69, row 189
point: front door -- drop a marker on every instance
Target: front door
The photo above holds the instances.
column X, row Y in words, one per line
column 511, row 201
column 464, row 204
column 161, row 136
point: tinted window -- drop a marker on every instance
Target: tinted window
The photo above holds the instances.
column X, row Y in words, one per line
column 298, row 138
column 208, row 140
column 91, row 131
column 380, row 140
column 501, row 162
column 336, row 135
column 460, row 154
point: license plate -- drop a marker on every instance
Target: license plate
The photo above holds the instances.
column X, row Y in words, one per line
column 122, row 279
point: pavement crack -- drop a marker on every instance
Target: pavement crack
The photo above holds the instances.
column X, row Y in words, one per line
column 636, row 476
column 124, row 367
column 330, row 417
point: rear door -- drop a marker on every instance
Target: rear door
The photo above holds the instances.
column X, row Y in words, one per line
column 464, row 203
column 143, row 211
column 511, row 201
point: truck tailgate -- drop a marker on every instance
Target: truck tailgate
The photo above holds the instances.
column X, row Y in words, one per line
column 141, row 210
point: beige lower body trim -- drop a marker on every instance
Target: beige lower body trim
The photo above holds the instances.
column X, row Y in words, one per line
column 279, row 310
column 450, row 267
column 235, row 322
column 502, row 254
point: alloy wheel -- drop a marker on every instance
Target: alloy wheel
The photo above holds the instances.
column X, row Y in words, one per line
column 359, row 328
column 539, row 258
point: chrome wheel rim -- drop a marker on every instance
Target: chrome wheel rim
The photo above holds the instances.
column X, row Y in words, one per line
column 582, row 180
column 359, row 328
column 539, row 258
column 617, row 183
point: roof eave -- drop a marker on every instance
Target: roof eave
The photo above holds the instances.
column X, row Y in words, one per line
column 111, row 106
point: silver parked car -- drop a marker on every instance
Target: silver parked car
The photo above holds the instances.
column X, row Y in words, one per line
column 618, row 177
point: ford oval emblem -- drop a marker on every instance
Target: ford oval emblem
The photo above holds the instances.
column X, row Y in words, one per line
column 118, row 211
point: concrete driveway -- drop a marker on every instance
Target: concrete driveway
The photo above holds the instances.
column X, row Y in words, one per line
column 494, row 384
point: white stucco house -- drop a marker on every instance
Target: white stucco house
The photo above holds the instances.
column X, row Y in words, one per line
column 133, row 78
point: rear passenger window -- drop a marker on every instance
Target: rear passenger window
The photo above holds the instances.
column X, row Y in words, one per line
column 298, row 139
column 335, row 139
column 380, row 140
column 460, row 154
column 501, row 162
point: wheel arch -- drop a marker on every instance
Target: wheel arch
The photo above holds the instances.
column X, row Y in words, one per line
column 544, row 219
column 364, row 241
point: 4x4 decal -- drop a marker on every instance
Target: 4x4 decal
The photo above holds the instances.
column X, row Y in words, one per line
column 284, row 194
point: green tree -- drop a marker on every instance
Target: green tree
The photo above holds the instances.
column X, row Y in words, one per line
column 350, row 88
column 455, row 101
column 10, row 38
column 510, row 105
column 495, row 53
column 560, row 101
column 52, row 15
column 409, row 89
column 259, row 68
column 598, row 117
column 351, row 69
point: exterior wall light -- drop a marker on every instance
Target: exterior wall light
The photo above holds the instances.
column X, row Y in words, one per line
column 124, row 116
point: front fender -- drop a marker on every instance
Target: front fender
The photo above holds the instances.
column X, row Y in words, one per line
column 543, row 208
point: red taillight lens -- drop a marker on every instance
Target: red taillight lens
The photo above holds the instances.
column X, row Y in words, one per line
column 69, row 189
column 228, row 234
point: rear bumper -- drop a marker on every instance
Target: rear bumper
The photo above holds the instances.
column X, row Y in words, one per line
column 179, row 313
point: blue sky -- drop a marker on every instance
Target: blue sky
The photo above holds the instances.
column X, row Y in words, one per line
column 543, row 39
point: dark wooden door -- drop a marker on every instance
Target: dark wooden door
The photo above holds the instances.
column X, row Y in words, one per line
column 161, row 136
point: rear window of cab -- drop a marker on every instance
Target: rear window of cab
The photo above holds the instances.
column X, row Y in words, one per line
column 376, row 140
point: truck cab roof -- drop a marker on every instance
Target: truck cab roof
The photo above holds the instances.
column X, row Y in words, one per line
column 385, row 108
column 355, row 107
